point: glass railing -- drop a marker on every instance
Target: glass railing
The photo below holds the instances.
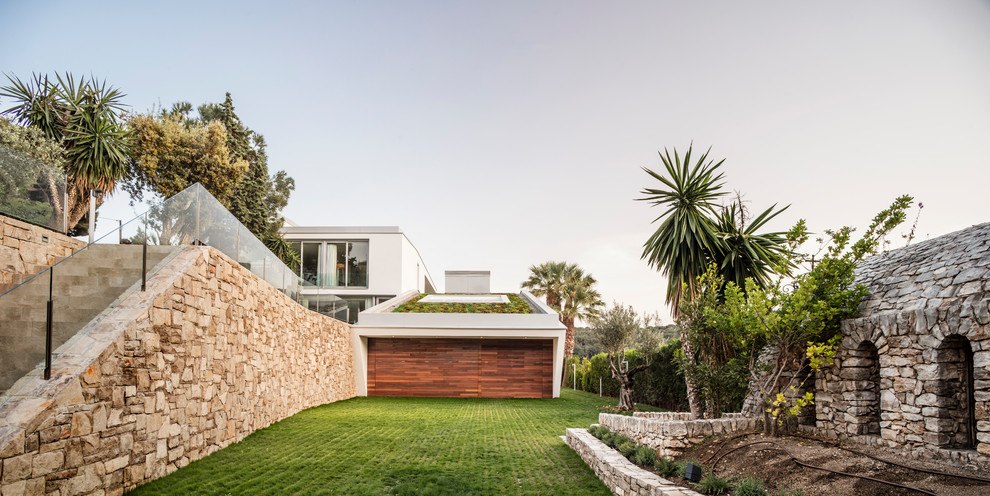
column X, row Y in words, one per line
column 31, row 190
column 52, row 307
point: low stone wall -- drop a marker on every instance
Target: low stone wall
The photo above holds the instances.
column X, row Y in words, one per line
column 620, row 475
column 207, row 355
column 664, row 415
column 26, row 249
column 671, row 437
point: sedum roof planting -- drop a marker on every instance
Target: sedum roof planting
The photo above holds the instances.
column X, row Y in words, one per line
column 515, row 305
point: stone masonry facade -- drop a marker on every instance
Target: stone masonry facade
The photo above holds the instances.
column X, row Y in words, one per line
column 26, row 249
column 913, row 372
column 207, row 355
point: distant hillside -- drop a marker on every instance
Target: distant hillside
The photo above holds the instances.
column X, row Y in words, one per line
column 586, row 345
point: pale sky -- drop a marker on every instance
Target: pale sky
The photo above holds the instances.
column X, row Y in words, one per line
column 503, row 134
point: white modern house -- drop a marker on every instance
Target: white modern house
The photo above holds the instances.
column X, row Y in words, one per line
column 347, row 269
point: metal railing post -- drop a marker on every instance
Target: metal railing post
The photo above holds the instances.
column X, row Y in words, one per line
column 198, row 242
column 48, row 325
column 144, row 256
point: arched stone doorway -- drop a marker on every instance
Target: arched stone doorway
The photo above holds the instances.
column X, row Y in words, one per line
column 862, row 371
column 954, row 394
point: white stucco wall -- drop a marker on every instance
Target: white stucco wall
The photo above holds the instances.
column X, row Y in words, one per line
column 392, row 258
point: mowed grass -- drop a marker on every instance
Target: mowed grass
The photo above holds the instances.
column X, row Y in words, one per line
column 421, row 446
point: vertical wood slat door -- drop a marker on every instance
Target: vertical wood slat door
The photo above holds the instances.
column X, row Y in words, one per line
column 460, row 367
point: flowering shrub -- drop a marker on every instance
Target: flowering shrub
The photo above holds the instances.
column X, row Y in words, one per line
column 617, row 410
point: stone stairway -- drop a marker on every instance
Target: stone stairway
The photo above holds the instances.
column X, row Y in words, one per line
column 84, row 286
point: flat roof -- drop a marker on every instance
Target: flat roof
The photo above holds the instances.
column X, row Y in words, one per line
column 341, row 230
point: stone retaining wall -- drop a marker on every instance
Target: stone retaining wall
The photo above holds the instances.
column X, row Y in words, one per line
column 207, row 355
column 664, row 415
column 26, row 249
column 671, row 437
column 620, row 475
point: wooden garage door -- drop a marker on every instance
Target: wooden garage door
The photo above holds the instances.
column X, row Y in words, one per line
column 489, row 368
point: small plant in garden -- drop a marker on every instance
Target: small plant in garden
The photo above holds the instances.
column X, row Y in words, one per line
column 750, row 486
column 617, row 410
column 713, row 484
column 620, row 439
column 667, row 467
column 628, row 449
column 609, row 439
column 598, row 431
column 644, row 456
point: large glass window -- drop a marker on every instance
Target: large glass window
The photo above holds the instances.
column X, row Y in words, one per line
column 334, row 264
column 310, row 263
column 357, row 263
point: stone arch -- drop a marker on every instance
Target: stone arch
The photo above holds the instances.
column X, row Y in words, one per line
column 861, row 372
column 952, row 394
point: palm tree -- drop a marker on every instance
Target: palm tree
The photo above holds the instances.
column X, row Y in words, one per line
column 569, row 291
column 743, row 253
column 697, row 232
column 546, row 280
column 682, row 246
column 85, row 116
column 580, row 301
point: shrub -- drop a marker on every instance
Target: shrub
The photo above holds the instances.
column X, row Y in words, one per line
column 713, row 484
column 621, row 439
column 609, row 439
column 667, row 467
column 598, row 431
column 750, row 486
column 644, row 456
column 627, row 449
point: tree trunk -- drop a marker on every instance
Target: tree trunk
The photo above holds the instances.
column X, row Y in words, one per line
column 625, row 395
column 693, row 395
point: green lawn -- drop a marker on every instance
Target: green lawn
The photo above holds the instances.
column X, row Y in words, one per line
column 405, row 446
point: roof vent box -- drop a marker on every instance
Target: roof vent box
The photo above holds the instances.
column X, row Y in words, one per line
column 468, row 281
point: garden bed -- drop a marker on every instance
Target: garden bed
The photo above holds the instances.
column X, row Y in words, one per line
column 756, row 465
column 770, row 462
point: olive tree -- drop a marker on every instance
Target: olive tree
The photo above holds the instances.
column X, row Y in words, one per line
column 616, row 329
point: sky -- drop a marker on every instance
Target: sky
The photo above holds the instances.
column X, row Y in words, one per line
column 500, row 135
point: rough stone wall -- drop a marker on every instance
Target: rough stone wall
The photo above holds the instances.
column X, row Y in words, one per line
column 620, row 475
column 26, row 249
column 671, row 437
column 902, row 372
column 209, row 354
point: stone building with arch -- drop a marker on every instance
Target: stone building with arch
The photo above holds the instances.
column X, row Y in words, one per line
column 913, row 371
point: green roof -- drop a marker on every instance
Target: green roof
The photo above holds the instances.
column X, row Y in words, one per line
column 515, row 305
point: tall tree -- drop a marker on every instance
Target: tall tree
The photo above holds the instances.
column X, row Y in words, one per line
column 580, row 301
column 568, row 290
column 616, row 329
column 171, row 153
column 696, row 231
column 31, row 163
column 85, row 117
column 257, row 199
column 216, row 149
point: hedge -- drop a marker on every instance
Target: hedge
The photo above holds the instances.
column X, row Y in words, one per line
column 660, row 385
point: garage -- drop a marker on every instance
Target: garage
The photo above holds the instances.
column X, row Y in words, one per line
column 460, row 367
